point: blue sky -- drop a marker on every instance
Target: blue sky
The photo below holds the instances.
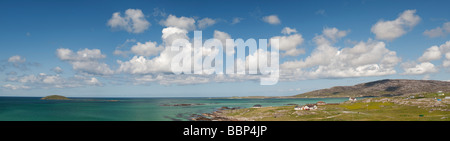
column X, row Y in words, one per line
column 375, row 40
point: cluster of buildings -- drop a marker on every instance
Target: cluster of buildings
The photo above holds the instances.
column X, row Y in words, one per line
column 308, row 107
column 439, row 97
column 442, row 94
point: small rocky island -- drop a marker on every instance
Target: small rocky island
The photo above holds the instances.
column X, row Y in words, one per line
column 55, row 97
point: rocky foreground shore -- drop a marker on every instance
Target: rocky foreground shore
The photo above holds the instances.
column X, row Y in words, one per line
column 218, row 115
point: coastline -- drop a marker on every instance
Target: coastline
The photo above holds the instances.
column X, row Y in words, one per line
column 283, row 97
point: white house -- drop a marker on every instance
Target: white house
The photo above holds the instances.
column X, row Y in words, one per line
column 352, row 99
column 297, row 108
column 309, row 107
column 313, row 107
column 304, row 108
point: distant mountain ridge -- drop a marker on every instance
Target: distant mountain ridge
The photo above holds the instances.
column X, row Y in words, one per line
column 386, row 87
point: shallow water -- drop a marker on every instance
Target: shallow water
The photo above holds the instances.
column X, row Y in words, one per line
column 127, row 109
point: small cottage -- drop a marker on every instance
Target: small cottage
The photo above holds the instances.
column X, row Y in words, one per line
column 352, row 99
column 312, row 106
column 304, row 108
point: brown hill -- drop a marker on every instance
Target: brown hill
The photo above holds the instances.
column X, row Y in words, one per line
column 386, row 87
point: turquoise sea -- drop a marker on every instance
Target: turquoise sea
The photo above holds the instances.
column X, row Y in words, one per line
column 127, row 109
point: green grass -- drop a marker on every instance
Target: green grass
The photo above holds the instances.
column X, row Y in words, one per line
column 359, row 111
column 433, row 95
column 369, row 106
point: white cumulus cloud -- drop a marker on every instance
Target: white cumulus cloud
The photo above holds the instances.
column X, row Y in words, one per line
column 411, row 68
column 57, row 70
column 289, row 44
column 436, row 53
column 438, row 31
column 146, row 49
column 46, row 81
column 222, row 36
column 15, row 87
column 16, row 59
column 236, row 20
column 390, row 30
column 206, row 22
column 133, row 21
column 85, row 61
column 271, row 19
column 334, row 34
column 432, row 53
column 159, row 64
column 179, row 22
column 370, row 58
column 288, row 30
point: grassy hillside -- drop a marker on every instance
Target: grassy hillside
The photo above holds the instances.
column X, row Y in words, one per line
column 382, row 88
